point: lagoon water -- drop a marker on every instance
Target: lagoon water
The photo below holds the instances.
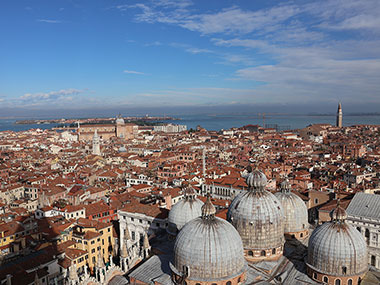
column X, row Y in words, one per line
column 218, row 121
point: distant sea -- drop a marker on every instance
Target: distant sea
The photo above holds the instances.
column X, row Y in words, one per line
column 218, row 121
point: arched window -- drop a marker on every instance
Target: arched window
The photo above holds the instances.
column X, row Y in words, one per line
column 325, row 279
column 337, row 282
column 263, row 253
column 344, row 270
column 349, row 282
column 228, row 283
column 373, row 260
column 239, row 280
column 250, row 253
column 301, row 234
column 366, row 233
column 274, row 251
column 315, row 276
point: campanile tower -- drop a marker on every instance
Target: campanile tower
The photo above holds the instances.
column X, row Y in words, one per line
column 339, row 116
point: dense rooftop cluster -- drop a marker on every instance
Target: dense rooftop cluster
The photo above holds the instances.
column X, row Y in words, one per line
column 61, row 201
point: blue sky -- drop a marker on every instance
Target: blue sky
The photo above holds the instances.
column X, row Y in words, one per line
column 92, row 54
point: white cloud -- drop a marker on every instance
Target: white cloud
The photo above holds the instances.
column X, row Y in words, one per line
column 49, row 21
column 309, row 51
column 194, row 50
column 51, row 96
column 133, row 72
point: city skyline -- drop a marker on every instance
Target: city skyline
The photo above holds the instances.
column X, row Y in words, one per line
column 166, row 54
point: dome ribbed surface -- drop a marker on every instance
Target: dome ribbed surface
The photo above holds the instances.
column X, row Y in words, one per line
column 295, row 211
column 256, row 179
column 210, row 248
column 333, row 246
column 184, row 211
column 259, row 219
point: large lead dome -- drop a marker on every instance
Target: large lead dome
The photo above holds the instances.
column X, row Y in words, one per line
column 208, row 249
column 295, row 211
column 184, row 211
column 337, row 251
column 258, row 217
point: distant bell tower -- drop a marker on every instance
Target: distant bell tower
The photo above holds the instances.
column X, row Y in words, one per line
column 96, row 144
column 339, row 116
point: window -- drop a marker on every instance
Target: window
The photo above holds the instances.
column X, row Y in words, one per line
column 93, row 250
column 263, row 253
column 366, row 233
column 373, row 260
column 250, row 253
column 274, row 251
column 315, row 275
column 325, row 279
column 337, row 282
column 228, row 283
column 316, row 201
column 349, row 282
column 344, row 270
column 133, row 235
column 140, row 221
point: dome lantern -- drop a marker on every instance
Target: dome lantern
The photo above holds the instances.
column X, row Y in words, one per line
column 256, row 181
column 208, row 209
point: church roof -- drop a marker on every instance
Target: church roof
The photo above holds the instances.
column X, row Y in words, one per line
column 365, row 205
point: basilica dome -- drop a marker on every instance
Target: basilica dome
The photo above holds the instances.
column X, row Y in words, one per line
column 296, row 217
column 208, row 249
column 258, row 217
column 122, row 149
column 337, row 251
column 120, row 120
column 184, row 211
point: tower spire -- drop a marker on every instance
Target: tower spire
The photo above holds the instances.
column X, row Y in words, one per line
column 339, row 116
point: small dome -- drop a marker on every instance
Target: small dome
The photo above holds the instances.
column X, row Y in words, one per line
column 122, row 149
column 184, row 211
column 295, row 210
column 256, row 179
column 258, row 217
column 209, row 248
column 119, row 120
column 337, row 249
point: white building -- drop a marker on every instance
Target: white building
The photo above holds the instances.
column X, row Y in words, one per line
column 363, row 213
column 170, row 128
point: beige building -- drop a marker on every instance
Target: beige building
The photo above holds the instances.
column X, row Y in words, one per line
column 93, row 237
column 107, row 131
